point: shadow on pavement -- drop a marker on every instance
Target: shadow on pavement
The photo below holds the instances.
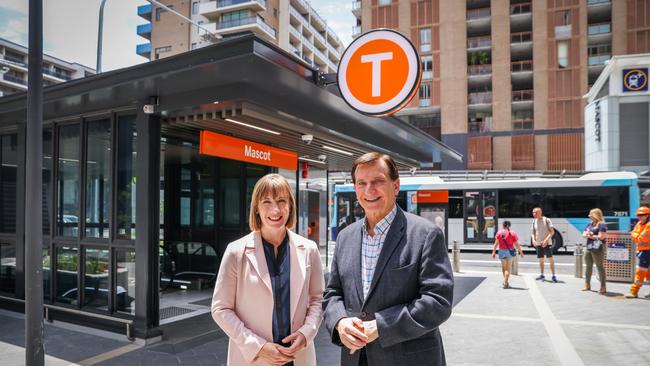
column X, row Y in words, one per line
column 463, row 286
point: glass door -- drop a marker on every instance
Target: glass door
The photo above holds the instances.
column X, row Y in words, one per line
column 480, row 216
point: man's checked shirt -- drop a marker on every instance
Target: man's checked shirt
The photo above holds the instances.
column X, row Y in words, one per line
column 371, row 247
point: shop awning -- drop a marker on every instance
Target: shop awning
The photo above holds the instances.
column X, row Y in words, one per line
column 245, row 79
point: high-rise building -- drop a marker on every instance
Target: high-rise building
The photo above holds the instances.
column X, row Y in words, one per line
column 291, row 24
column 13, row 69
column 503, row 80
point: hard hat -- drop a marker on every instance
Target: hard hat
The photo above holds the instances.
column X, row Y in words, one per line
column 643, row 211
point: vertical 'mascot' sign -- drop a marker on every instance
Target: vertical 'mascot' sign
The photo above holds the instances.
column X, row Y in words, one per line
column 379, row 73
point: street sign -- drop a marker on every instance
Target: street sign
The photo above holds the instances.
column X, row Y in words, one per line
column 379, row 73
column 635, row 79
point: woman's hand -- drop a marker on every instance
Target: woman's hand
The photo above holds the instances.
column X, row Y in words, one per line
column 298, row 342
column 493, row 254
column 272, row 353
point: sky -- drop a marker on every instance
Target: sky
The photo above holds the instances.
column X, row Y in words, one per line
column 70, row 28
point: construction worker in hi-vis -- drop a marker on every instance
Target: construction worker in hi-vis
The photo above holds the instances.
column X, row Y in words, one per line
column 641, row 236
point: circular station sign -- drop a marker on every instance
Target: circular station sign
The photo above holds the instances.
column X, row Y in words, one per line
column 379, row 73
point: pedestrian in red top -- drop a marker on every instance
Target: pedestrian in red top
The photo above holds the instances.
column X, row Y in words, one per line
column 506, row 240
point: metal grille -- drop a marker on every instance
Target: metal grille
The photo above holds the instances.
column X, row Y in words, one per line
column 172, row 311
column 620, row 257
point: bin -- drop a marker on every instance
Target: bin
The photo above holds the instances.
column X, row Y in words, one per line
column 620, row 256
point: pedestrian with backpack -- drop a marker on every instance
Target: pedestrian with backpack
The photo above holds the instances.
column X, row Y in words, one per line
column 506, row 240
column 541, row 235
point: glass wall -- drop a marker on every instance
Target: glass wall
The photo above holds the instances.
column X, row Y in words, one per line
column 126, row 155
column 67, row 278
column 124, row 291
column 68, row 182
column 96, row 283
column 8, row 163
column 98, row 174
column 7, row 268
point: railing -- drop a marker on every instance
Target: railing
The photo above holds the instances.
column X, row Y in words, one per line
column 294, row 31
column 16, row 60
column 15, row 79
column 475, row 14
column 521, row 37
column 598, row 60
column 597, row 2
column 56, row 74
column 521, row 8
column 481, row 41
column 246, row 21
column 522, row 95
column 522, row 124
column 479, row 97
column 356, row 30
column 601, row 28
column 473, row 70
column 297, row 14
column 479, row 126
column 356, row 5
column 521, row 66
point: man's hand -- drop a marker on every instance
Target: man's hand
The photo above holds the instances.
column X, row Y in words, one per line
column 351, row 333
column 371, row 331
column 298, row 342
column 274, row 354
column 544, row 243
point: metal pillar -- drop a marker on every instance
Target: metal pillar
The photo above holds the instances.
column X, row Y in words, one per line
column 515, row 265
column 100, row 36
column 147, row 225
column 34, row 353
column 456, row 256
column 578, row 253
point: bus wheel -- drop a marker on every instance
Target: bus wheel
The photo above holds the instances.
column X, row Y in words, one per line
column 558, row 242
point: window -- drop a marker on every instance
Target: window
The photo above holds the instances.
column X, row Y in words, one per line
column 7, row 268
column 564, row 17
column 563, row 202
column 425, row 95
column 383, row 2
column 98, row 178
column 125, row 281
column 125, row 182
column 563, row 54
column 455, row 204
column 195, row 7
column 47, row 272
column 162, row 10
column 234, row 16
column 68, row 187
column 47, row 179
column 427, row 67
column 163, row 49
column 522, row 120
column 425, row 39
column 8, row 166
column 230, row 192
column 67, row 265
column 96, row 265
column 193, row 47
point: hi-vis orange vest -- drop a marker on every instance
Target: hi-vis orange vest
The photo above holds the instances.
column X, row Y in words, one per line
column 641, row 235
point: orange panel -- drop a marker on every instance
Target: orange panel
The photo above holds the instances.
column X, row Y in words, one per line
column 523, row 152
column 479, row 152
column 565, row 151
column 228, row 147
column 432, row 197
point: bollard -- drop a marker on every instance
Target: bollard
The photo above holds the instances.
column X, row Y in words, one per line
column 515, row 266
column 578, row 253
column 456, row 257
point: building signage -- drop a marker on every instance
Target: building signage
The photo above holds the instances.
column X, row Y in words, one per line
column 229, row 147
column 379, row 73
column 432, row 197
column 635, row 80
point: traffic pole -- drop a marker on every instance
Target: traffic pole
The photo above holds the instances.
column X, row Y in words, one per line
column 34, row 353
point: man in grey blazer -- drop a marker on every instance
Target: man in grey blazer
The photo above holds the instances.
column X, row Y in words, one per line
column 390, row 284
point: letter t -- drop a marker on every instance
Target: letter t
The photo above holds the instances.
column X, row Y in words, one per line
column 376, row 60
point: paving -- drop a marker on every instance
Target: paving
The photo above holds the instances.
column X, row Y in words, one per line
column 532, row 323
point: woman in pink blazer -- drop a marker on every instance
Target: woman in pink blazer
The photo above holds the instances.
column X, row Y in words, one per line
column 268, row 293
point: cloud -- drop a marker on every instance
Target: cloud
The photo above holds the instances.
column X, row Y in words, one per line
column 14, row 30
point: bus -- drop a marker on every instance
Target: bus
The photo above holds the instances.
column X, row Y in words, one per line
column 469, row 211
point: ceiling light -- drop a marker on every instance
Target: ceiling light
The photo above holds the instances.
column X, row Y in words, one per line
column 311, row 160
column 215, row 102
column 252, row 126
column 337, row 150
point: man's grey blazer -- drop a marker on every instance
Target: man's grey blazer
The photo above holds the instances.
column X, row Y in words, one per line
column 410, row 294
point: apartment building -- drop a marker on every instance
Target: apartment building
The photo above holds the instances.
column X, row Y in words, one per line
column 13, row 69
column 291, row 24
column 503, row 80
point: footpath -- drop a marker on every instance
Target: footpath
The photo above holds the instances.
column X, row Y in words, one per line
column 532, row 323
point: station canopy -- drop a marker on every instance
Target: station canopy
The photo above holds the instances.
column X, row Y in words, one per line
column 244, row 79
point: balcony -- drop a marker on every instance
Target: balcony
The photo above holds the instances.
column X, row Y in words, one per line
column 521, row 66
column 521, row 37
column 302, row 5
column 316, row 21
column 479, row 70
column 478, row 43
column 144, row 30
column 478, row 14
column 294, row 32
column 478, row 21
column 321, row 55
column 213, row 9
column 479, row 126
column 425, row 103
column 356, row 9
column 563, row 31
column 301, row 18
column 597, row 9
column 479, row 76
column 255, row 24
column 521, row 45
column 14, row 79
column 522, row 124
column 143, row 50
column 521, row 8
column 599, row 33
column 597, row 60
column 321, row 40
column 522, row 96
column 479, row 98
column 57, row 74
column 356, row 31
column 144, row 11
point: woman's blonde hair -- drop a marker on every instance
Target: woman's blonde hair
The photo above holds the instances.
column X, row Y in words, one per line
column 272, row 185
column 597, row 214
